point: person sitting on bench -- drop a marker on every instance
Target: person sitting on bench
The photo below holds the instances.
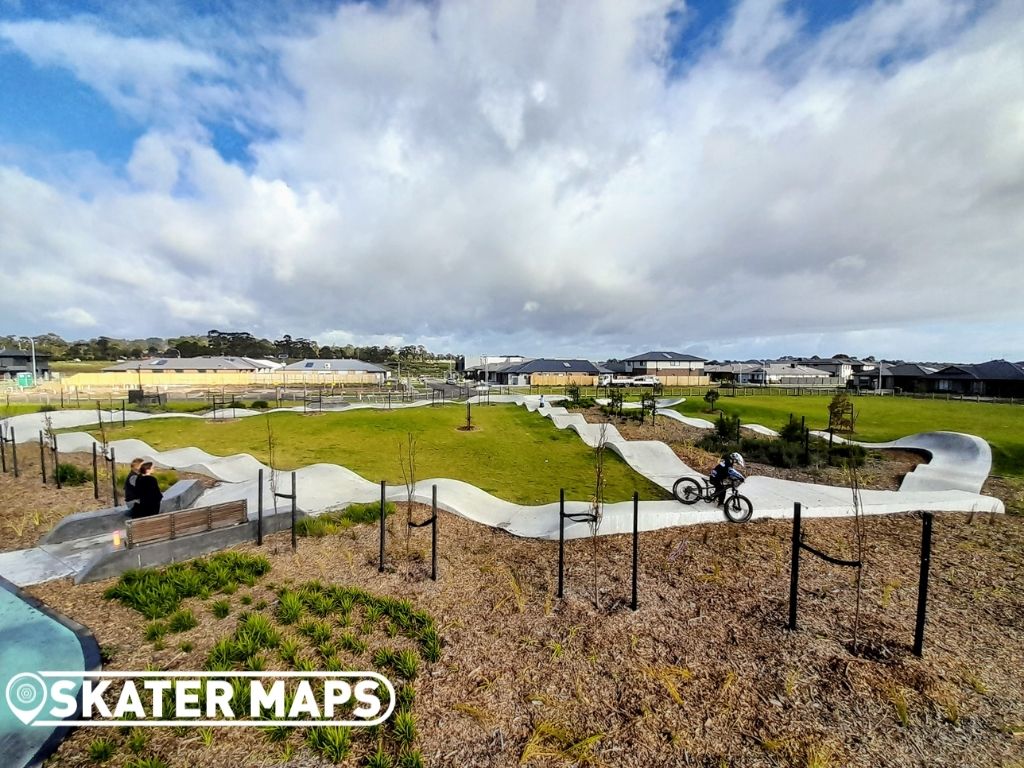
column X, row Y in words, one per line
column 148, row 491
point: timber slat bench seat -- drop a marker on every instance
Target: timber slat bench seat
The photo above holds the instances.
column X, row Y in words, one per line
column 173, row 525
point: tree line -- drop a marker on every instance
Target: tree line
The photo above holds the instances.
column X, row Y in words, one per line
column 216, row 342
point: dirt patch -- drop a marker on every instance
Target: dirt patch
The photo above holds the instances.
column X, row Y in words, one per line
column 703, row 674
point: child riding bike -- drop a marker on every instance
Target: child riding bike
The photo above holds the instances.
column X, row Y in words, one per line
column 725, row 472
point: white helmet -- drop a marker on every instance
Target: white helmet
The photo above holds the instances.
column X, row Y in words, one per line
column 738, row 459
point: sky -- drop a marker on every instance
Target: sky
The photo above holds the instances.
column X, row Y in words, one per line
column 591, row 178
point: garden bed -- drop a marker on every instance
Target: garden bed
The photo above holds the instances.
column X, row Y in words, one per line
column 703, row 674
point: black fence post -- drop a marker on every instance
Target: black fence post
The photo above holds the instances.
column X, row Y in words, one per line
column 794, row 567
column 636, row 543
column 3, row 449
column 295, row 543
column 561, row 541
column 123, row 421
column 56, row 462
column 922, row 586
column 113, row 476
column 14, row 452
column 42, row 457
column 95, row 474
column 259, row 510
column 433, row 535
column 383, row 489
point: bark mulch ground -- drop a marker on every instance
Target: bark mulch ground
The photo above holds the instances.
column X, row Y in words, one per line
column 703, row 674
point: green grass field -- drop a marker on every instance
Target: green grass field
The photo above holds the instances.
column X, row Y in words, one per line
column 887, row 418
column 513, row 455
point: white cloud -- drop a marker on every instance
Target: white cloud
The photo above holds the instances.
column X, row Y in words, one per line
column 532, row 177
column 75, row 316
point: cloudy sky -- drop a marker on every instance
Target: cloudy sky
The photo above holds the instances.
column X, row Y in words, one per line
column 591, row 178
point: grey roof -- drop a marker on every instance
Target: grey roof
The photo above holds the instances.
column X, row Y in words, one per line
column 993, row 370
column 660, row 356
column 205, row 363
column 338, row 366
column 907, row 369
column 543, row 365
column 26, row 353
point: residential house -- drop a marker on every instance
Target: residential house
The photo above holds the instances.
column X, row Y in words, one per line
column 671, row 368
column 15, row 361
column 340, row 371
column 996, row 378
column 547, row 372
column 204, row 364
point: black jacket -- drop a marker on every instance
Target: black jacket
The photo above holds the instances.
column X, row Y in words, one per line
column 149, row 496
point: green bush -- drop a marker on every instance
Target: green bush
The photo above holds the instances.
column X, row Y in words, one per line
column 69, row 474
column 778, row 452
column 260, row 405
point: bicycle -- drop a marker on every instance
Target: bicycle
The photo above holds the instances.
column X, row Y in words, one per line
column 690, row 490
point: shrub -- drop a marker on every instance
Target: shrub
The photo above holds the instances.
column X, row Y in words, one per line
column 47, row 408
column 260, row 405
column 405, row 728
column 182, row 621
column 221, row 609
column 101, row 750
column 69, row 474
column 331, row 741
column 289, row 608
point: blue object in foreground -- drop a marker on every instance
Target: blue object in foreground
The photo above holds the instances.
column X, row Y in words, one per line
column 34, row 638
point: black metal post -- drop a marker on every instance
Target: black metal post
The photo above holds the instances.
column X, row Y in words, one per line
column 99, row 414
column 383, row 489
column 433, row 534
column 794, row 567
column 3, row 450
column 95, row 474
column 561, row 541
column 922, row 586
column 636, row 543
column 14, row 452
column 295, row 543
column 113, row 477
column 56, row 462
column 42, row 457
column 122, row 415
column 259, row 510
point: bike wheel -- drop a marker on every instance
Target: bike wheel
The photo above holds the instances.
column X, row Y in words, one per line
column 687, row 490
column 738, row 509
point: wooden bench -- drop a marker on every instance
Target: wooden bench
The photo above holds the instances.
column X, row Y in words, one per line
column 173, row 525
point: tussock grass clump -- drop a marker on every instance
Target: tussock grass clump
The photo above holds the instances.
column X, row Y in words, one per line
column 332, row 742
column 156, row 593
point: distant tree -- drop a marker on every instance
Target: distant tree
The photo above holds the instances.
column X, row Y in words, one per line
column 710, row 397
column 842, row 416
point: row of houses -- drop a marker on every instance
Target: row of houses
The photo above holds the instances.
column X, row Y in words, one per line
column 996, row 378
column 671, row 368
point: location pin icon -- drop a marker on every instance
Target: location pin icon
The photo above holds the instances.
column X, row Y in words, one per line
column 26, row 696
